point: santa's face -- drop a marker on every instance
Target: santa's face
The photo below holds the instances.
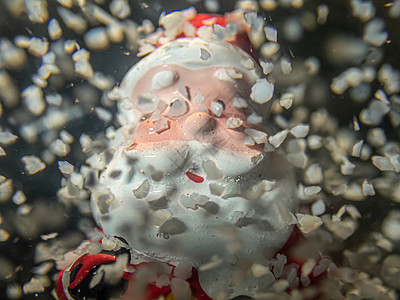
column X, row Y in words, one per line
column 187, row 183
column 204, row 106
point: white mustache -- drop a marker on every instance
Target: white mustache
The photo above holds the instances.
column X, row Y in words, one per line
column 186, row 155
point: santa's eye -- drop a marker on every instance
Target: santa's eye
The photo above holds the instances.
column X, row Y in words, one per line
column 217, row 107
column 178, row 107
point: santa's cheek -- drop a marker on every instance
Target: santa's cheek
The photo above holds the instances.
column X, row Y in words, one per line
column 198, row 125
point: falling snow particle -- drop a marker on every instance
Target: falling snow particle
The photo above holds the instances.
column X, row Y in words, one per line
column 6, row 190
column 59, row 148
column 311, row 190
column 7, row 138
column 262, row 91
column 66, row 137
column 33, row 164
column 300, row 131
column 368, row 189
column 38, row 47
column 312, row 64
column 96, row 39
column 163, row 79
column 259, row 270
column 183, row 270
column 212, row 5
column 268, row 5
column 233, row 123
column 86, row 143
column 49, row 236
column 267, row 67
column 322, row 11
column 353, row 212
column 352, row 192
column 318, row 207
column 254, row 119
column 376, row 137
column 259, row 137
column 4, row 235
column 33, row 286
column 14, row 291
column 391, row 225
column 342, row 229
column 313, row 174
column 277, row 139
column 120, row 8
column 82, row 65
column 382, row 163
column 356, row 151
column 286, row 100
column 54, row 29
column 298, row 159
column 309, row 223
column 143, row 190
column 217, row 108
column 374, row 33
column 180, row 289
column 103, row 114
column 347, row 168
column 390, row 270
column 65, row 167
column 19, row 198
column 33, row 98
column 271, row 34
column 286, row 66
column 269, row 49
column 73, row 21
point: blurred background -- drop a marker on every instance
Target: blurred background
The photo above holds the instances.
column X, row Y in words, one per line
column 321, row 39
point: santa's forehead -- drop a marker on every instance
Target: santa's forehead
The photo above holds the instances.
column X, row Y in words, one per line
column 170, row 82
column 193, row 54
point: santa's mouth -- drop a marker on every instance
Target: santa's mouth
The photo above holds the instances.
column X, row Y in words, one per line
column 193, row 177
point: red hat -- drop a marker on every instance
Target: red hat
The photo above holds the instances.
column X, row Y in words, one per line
column 241, row 38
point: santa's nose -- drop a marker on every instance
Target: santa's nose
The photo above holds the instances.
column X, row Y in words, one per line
column 199, row 124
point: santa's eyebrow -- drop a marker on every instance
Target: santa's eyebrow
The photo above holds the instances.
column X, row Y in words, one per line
column 189, row 96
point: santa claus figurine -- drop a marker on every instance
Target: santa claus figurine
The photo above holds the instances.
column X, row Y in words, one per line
column 194, row 204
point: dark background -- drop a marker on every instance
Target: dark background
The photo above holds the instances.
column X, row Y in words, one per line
column 41, row 189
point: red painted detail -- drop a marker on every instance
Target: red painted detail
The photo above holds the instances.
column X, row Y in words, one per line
column 196, row 288
column 59, row 287
column 197, row 21
column 127, row 276
column 195, row 178
column 295, row 240
column 98, row 230
column 242, row 39
column 153, row 292
column 89, row 262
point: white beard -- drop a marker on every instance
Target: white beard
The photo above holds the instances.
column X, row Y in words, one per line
column 236, row 218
